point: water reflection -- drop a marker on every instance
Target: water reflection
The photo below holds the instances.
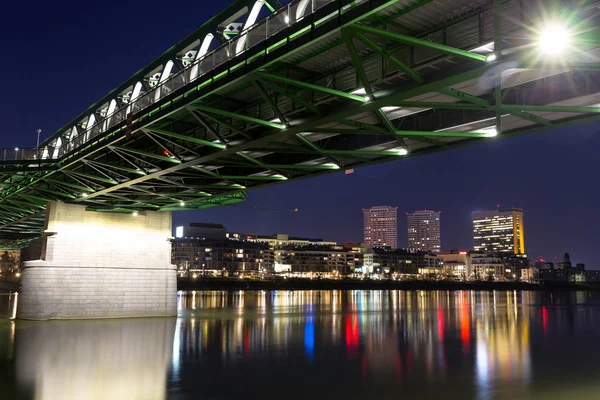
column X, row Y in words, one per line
column 104, row 359
column 321, row 344
column 467, row 344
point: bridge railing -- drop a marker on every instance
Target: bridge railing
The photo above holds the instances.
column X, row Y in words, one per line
column 250, row 37
column 19, row 154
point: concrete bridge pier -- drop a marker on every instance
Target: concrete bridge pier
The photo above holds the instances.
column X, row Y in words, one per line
column 100, row 265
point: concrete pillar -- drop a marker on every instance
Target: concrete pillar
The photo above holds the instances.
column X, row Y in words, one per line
column 100, row 265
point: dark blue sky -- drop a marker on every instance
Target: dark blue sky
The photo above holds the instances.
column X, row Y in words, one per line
column 59, row 58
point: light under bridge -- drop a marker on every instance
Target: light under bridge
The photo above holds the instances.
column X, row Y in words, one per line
column 266, row 92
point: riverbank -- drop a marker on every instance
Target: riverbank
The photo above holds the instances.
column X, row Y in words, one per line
column 6, row 287
column 355, row 284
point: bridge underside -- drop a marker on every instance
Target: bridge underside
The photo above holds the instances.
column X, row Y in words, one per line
column 369, row 82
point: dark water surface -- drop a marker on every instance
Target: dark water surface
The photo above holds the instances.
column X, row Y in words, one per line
column 316, row 345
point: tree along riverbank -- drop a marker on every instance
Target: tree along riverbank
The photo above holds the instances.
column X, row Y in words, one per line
column 356, row 284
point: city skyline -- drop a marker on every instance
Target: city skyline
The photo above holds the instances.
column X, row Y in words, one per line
column 380, row 226
column 458, row 182
column 424, row 230
column 499, row 231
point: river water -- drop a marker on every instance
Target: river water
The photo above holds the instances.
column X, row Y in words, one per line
column 316, row 345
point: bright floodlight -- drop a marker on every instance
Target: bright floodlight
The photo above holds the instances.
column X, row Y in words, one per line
column 135, row 214
column 402, row 152
column 489, row 131
column 287, row 19
column 367, row 98
column 182, row 204
column 554, row 39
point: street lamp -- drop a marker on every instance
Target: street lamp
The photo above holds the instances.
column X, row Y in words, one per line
column 16, row 151
column 554, row 38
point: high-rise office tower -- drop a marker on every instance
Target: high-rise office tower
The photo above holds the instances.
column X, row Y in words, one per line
column 381, row 226
column 424, row 230
column 499, row 231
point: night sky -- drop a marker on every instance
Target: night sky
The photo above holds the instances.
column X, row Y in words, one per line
column 59, row 58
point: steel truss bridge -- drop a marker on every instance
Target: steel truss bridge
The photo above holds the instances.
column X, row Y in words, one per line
column 266, row 92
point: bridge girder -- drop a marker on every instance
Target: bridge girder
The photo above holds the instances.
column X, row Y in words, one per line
column 339, row 88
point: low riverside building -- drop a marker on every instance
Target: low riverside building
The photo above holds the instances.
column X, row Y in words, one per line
column 487, row 266
column 434, row 267
column 314, row 261
column 281, row 239
column 517, row 266
column 456, row 265
column 202, row 249
column 211, row 257
column 397, row 263
column 529, row 274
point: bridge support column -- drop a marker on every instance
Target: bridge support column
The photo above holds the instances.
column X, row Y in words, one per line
column 100, row 265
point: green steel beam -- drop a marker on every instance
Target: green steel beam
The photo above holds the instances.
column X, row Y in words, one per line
column 238, row 116
column 38, row 199
column 343, row 131
column 180, row 194
column 309, row 143
column 442, row 134
column 147, row 154
column 191, row 139
column 438, row 105
column 420, row 43
column 206, row 125
column 89, row 176
column 364, row 80
column 484, row 103
column 557, row 109
column 363, row 125
column 363, row 152
column 256, row 177
column 263, row 93
column 292, row 96
column 252, row 160
column 274, row 167
column 16, row 208
column 149, row 192
column 310, row 86
column 113, row 166
column 56, row 193
column 360, row 71
column 70, row 185
column 238, row 177
column 217, row 187
column 383, row 98
column 412, row 74
column 226, row 124
column 223, row 199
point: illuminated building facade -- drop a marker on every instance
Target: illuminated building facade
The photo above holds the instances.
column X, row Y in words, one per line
column 424, row 230
column 381, row 226
column 200, row 257
column 314, row 260
column 487, row 266
column 397, row 262
column 281, row 239
column 499, row 231
column 457, row 264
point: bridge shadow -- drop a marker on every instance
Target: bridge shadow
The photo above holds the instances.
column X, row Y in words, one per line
column 94, row 359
